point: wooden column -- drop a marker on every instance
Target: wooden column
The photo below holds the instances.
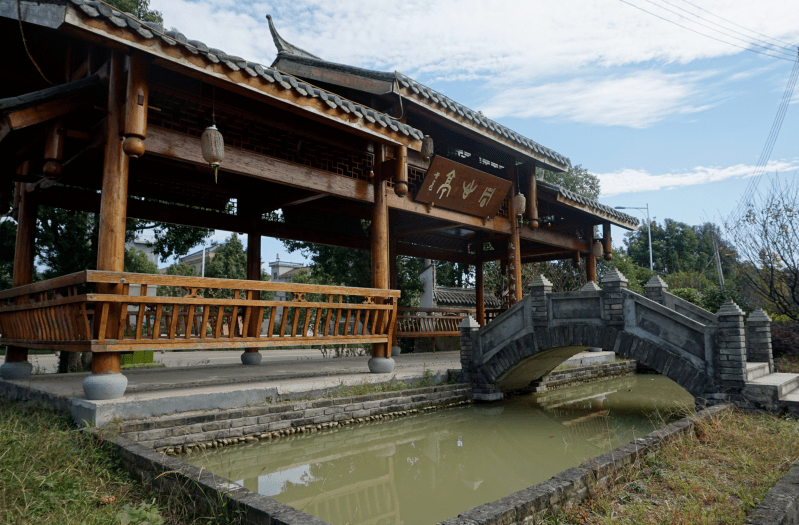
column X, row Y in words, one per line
column 254, row 274
column 532, row 198
column 24, row 251
column 514, row 249
column 137, row 98
column 380, row 258
column 590, row 258
column 479, row 291
column 392, row 270
column 113, row 208
column 606, row 241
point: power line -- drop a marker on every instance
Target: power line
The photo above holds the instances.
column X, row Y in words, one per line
column 705, row 35
column 733, row 23
column 718, row 31
column 765, row 154
column 772, row 44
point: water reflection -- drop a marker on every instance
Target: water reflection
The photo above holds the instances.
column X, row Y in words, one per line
column 430, row 467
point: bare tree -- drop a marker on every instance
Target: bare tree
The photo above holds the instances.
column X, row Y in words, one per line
column 766, row 235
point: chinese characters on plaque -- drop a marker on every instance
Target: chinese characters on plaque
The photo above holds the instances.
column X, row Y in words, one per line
column 449, row 184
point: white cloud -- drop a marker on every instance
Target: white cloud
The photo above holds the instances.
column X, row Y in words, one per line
column 636, row 100
column 635, row 181
column 519, row 48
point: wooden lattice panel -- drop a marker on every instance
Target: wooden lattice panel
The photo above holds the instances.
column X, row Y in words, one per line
column 256, row 135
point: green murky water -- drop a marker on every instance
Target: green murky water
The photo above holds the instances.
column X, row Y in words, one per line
column 426, row 468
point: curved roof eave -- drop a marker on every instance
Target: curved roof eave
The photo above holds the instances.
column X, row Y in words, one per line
column 172, row 46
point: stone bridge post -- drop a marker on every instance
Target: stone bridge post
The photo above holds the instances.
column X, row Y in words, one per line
column 471, row 359
column 539, row 288
column 655, row 288
column 615, row 283
column 732, row 347
column 758, row 339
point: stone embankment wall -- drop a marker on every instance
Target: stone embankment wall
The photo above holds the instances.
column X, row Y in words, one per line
column 215, row 495
column 179, row 433
column 575, row 484
column 584, row 374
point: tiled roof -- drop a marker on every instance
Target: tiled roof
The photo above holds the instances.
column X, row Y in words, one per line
column 420, row 93
column 466, row 297
column 432, row 97
column 589, row 205
column 151, row 30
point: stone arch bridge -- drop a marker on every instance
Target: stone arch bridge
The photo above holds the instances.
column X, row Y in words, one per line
column 719, row 357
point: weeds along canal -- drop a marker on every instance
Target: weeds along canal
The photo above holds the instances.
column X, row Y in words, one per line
column 431, row 466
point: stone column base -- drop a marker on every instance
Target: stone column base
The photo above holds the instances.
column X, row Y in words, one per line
column 251, row 358
column 97, row 387
column 381, row 365
column 16, row 370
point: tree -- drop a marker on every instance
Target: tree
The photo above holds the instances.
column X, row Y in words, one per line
column 576, row 179
column 766, row 235
column 136, row 261
column 138, row 8
column 678, row 247
column 229, row 261
column 333, row 265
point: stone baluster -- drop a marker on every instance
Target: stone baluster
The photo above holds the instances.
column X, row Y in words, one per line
column 614, row 283
column 471, row 359
column 468, row 328
column 758, row 339
column 732, row 346
column 655, row 289
column 539, row 288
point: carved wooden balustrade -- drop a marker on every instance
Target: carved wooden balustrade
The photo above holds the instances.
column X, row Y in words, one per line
column 113, row 312
column 430, row 322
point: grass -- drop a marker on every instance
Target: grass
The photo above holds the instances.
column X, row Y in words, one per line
column 787, row 364
column 53, row 473
column 716, row 474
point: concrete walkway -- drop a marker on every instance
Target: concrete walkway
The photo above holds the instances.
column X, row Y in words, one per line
column 160, row 391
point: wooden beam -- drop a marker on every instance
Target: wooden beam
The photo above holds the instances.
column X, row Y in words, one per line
column 424, row 252
column 186, row 148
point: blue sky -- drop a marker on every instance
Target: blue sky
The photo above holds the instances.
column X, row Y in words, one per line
column 664, row 116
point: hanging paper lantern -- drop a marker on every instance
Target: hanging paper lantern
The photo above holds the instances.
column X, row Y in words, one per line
column 213, row 146
column 519, row 203
column 427, row 147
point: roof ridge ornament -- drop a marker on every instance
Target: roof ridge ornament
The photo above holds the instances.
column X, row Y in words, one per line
column 283, row 46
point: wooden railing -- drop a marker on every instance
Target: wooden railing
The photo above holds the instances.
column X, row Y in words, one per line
column 95, row 311
column 430, row 322
column 493, row 313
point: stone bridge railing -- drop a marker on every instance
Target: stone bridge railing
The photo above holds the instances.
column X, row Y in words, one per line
column 703, row 352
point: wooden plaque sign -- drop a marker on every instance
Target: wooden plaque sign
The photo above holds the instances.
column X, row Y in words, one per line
column 455, row 186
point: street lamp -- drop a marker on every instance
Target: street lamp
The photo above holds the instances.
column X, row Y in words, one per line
column 648, row 230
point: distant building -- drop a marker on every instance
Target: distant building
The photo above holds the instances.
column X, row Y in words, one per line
column 195, row 260
column 283, row 272
column 145, row 245
column 435, row 296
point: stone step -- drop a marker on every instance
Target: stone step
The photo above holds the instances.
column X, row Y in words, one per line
column 755, row 370
column 784, row 384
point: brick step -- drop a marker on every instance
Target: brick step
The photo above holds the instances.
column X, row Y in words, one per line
column 784, row 384
column 756, row 370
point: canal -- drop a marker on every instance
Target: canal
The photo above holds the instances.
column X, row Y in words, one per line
column 429, row 467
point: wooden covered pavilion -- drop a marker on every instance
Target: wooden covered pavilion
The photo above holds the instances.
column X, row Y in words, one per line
column 102, row 112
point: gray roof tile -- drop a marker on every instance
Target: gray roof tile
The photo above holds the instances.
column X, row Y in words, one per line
column 150, row 30
column 590, row 205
